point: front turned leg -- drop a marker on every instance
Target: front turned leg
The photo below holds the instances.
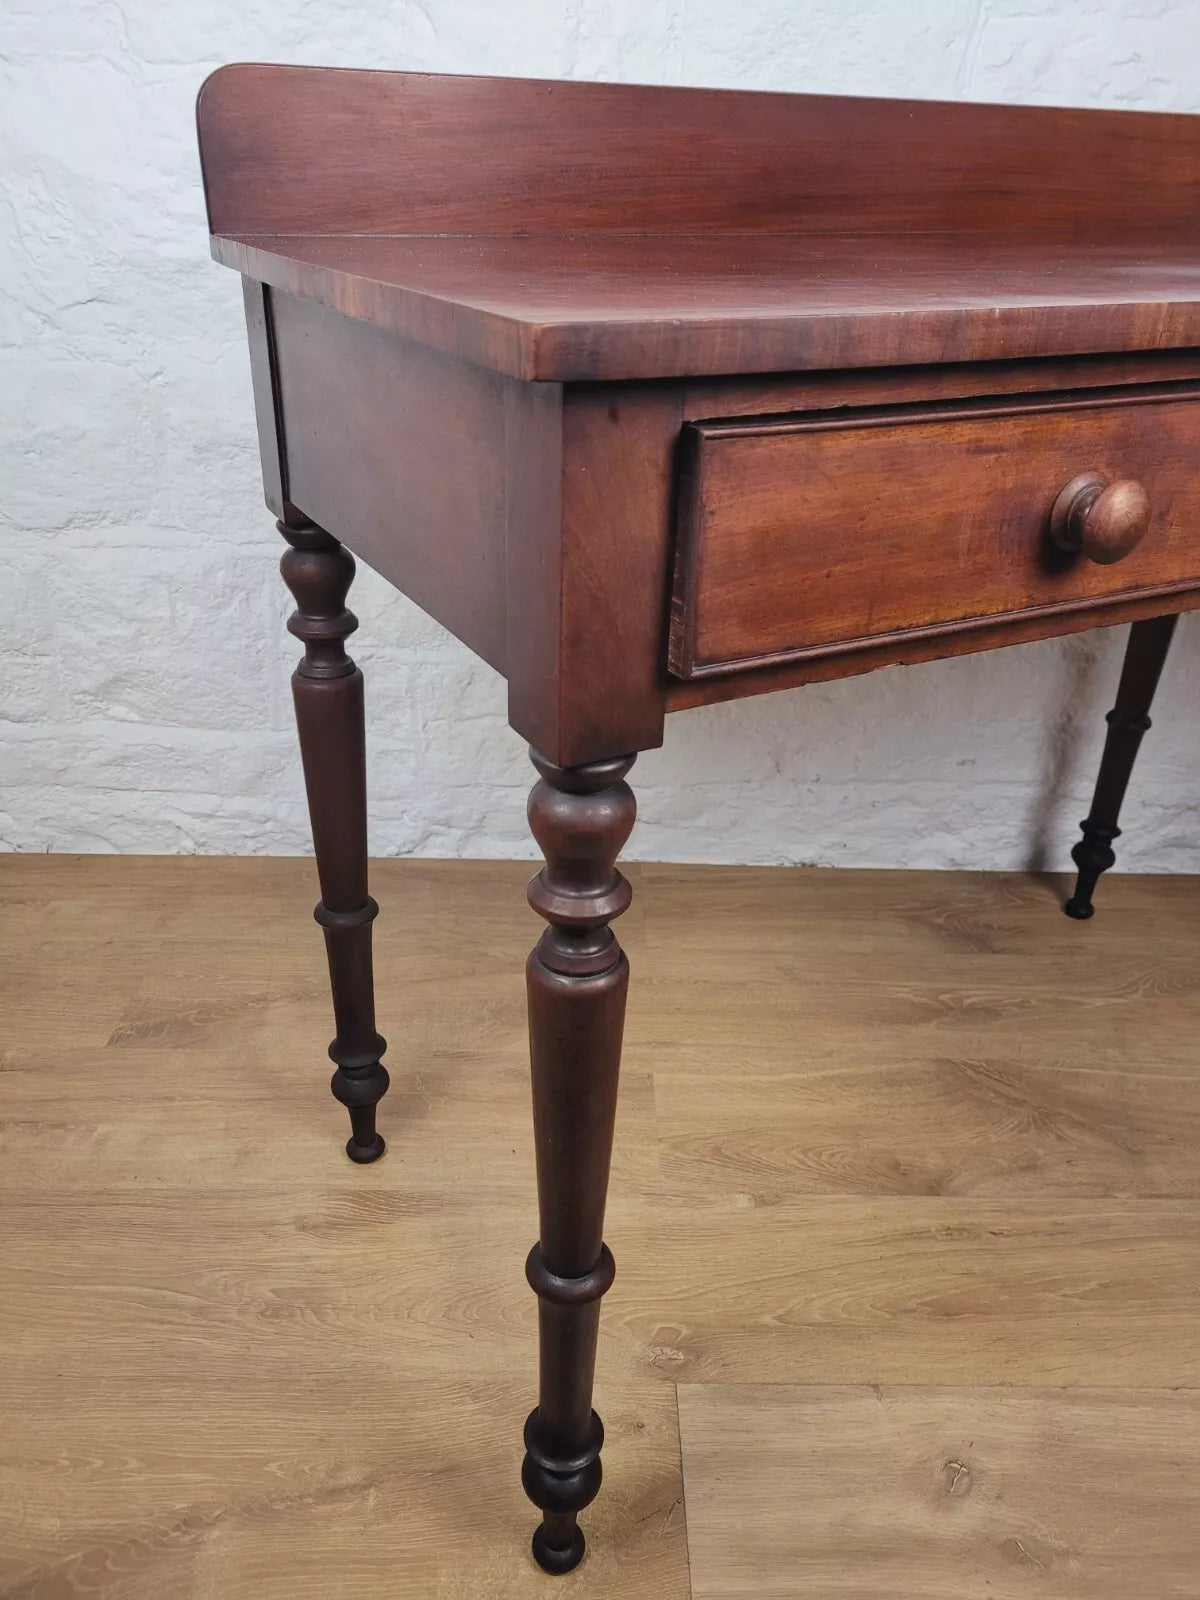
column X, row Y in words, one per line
column 577, row 979
column 328, row 691
column 1128, row 720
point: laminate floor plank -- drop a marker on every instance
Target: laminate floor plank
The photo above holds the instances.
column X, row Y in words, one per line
column 901, row 1129
column 880, row 1493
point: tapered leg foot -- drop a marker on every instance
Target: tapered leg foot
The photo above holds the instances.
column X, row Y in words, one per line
column 363, row 1154
column 557, row 1558
column 1092, row 856
column 1128, row 721
column 328, row 691
column 577, row 981
column 562, row 1485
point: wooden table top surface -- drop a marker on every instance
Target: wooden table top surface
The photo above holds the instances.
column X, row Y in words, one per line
column 572, row 231
column 587, row 305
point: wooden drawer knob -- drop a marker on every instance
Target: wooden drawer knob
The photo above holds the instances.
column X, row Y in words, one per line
column 1104, row 521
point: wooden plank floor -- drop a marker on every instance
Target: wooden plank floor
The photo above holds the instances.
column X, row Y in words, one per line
column 936, row 1494
column 912, row 1130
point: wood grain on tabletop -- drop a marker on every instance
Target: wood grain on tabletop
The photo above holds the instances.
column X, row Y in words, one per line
column 574, row 231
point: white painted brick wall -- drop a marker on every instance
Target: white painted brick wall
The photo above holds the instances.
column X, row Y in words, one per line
column 143, row 696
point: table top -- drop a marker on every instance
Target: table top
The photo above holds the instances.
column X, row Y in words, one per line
column 613, row 306
column 575, row 231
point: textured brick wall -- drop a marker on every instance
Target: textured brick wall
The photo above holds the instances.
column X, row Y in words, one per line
column 144, row 702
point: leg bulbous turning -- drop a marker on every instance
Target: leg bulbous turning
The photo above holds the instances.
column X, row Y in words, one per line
column 1093, row 855
column 577, row 981
column 361, row 1079
column 327, row 689
column 1128, row 721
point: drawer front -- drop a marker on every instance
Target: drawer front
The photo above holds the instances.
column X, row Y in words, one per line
column 814, row 534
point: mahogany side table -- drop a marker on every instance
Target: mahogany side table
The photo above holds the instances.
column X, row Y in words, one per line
column 659, row 397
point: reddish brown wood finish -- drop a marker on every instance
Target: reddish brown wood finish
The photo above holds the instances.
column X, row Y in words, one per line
column 439, row 472
column 686, row 695
column 400, row 452
column 480, row 497
column 491, row 321
column 589, row 562
column 328, row 691
column 322, row 150
column 591, row 307
column 577, row 981
column 268, row 401
column 833, row 531
column 1103, row 521
column 570, row 231
column 713, row 399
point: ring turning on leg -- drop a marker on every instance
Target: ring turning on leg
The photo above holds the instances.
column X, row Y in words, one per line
column 1128, row 721
column 327, row 689
column 577, row 980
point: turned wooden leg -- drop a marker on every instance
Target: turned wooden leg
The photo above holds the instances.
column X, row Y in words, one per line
column 577, row 979
column 328, row 691
column 1128, row 720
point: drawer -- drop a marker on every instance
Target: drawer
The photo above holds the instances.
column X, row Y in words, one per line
column 824, row 532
